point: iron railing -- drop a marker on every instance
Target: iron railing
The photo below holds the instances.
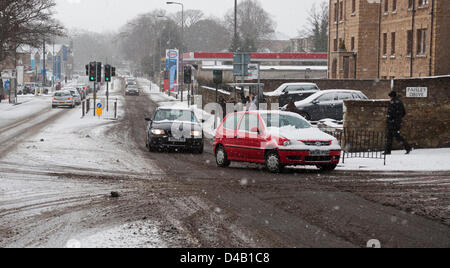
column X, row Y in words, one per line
column 359, row 143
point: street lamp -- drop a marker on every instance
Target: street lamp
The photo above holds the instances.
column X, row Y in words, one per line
column 182, row 46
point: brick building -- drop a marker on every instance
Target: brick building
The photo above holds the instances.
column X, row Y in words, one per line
column 389, row 38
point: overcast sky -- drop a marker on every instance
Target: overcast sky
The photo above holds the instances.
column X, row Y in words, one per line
column 108, row 15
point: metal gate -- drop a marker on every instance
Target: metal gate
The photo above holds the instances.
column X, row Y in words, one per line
column 360, row 143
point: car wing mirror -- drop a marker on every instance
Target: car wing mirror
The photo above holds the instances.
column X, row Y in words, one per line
column 255, row 130
column 316, row 102
column 148, row 119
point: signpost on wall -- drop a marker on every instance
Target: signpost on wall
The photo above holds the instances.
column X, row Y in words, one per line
column 417, row 92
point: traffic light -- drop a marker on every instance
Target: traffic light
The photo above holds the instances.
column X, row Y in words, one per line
column 92, row 71
column 99, row 72
column 187, row 75
column 107, row 73
column 113, row 71
column 218, row 76
column 87, row 70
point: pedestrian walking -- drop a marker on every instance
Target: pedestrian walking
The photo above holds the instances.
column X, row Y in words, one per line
column 253, row 104
column 396, row 113
column 292, row 108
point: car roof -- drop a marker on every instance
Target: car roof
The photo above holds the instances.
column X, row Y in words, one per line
column 299, row 84
column 175, row 109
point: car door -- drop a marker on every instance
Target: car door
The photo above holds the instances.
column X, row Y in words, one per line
column 325, row 107
column 229, row 135
column 249, row 140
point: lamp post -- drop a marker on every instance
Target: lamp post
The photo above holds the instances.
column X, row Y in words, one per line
column 180, row 81
column 160, row 50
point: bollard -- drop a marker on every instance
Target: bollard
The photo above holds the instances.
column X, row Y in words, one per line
column 82, row 108
column 115, row 110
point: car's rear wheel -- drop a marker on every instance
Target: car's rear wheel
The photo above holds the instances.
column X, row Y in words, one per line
column 273, row 162
column 222, row 158
column 327, row 167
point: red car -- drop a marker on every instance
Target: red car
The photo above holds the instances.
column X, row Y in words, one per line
column 274, row 138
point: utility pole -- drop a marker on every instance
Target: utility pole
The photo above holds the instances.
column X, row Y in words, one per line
column 235, row 26
column 44, row 71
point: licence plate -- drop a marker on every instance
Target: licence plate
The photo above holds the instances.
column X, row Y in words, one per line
column 62, row 102
column 177, row 140
column 319, row 153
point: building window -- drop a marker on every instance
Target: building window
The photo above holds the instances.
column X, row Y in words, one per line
column 421, row 41
column 385, row 37
column 341, row 11
column 353, row 43
column 335, row 45
column 353, row 6
column 386, row 6
column 409, row 43
column 394, row 5
column 423, row 3
column 410, row 4
column 336, row 14
column 393, row 44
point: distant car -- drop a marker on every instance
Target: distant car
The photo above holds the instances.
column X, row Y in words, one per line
column 63, row 98
column 275, row 138
column 293, row 91
column 131, row 82
column 327, row 104
column 174, row 129
column 75, row 94
column 132, row 91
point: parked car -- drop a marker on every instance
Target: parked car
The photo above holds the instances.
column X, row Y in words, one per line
column 174, row 129
column 132, row 90
column 327, row 104
column 75, row 94
column 275, row 138
column 293, row 91
column 63, row 98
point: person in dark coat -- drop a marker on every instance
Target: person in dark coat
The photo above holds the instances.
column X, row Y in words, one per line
column 292, row 108
column 396, row 113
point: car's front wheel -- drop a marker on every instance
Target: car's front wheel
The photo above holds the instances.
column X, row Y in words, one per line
column 273, row 162
column 222, row 158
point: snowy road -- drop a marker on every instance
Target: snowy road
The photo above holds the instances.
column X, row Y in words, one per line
column 56, row 180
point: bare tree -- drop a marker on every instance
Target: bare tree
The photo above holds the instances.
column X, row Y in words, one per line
column 318, row 26
column 254, row 24
column 207, row 35
column 25, row 22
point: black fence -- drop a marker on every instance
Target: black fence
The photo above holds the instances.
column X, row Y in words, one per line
column 359, row 143
column 101, row 107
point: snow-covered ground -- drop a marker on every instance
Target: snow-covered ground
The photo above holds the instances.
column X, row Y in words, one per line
column 418, row 160
column 132, row 235
column 28, row 105
column 80, row 145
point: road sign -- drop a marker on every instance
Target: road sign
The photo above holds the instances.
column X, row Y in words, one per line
column 99, row 109
column 240, row 64
column 417, row 92
column 253, row 72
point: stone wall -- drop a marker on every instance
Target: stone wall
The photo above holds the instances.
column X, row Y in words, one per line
column 427, row 124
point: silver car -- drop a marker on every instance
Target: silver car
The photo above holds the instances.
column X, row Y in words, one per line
column 75, row 94
column 63, row 98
